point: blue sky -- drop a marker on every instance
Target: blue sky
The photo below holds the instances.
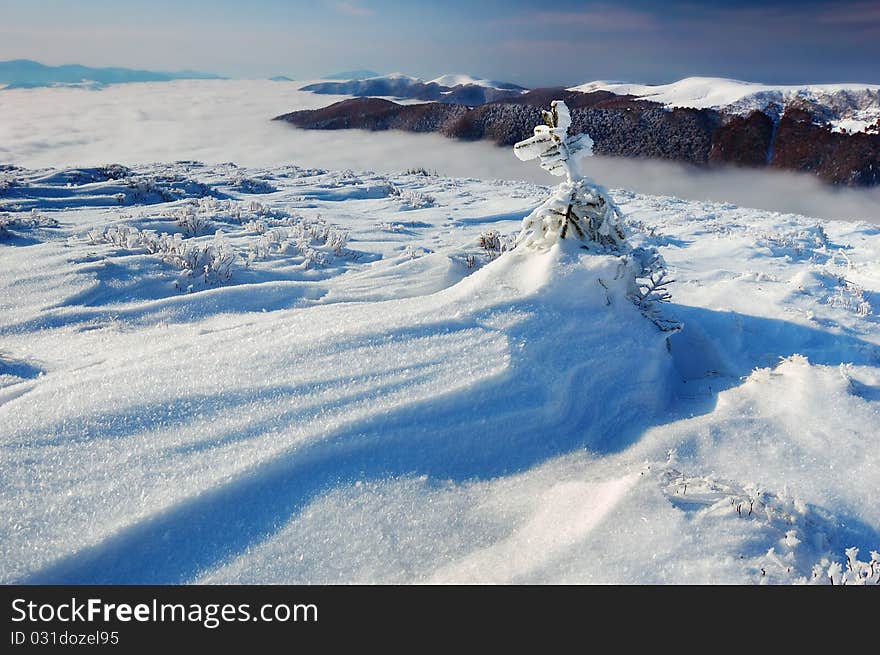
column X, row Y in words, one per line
column 533, row 43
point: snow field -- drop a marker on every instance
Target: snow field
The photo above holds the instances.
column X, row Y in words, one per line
column 412, row 408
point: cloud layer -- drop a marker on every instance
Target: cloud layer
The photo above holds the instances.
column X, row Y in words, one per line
column 219, row 121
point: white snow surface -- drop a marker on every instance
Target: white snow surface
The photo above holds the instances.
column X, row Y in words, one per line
column 851, row 107
column 368, row 396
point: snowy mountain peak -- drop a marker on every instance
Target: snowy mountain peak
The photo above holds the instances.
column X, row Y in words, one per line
column 396, row 77
column 457, row 79
column 448, row 80
column 450, row 88
column 714, row 92
column 462, row 79
column 852, row 106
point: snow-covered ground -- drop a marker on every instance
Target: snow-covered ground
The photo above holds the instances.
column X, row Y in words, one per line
column 286, row 374
column 849, row 107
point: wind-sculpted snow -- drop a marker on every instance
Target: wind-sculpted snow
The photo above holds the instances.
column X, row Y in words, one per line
column 382, row 390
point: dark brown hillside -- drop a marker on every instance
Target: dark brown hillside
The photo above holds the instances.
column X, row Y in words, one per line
column 802, row 145
column 629, row 127
column 375, row 114
column 743, row 140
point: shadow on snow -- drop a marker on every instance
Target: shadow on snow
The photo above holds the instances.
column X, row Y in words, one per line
column 218, row 524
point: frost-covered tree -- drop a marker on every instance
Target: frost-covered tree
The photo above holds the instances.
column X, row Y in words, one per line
column 580, row 209
column 577, row 208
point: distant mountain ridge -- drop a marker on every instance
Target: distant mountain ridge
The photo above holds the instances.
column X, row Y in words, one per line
column 449, row 89
column 831, row 131
column 25, row 73
column 848, row 107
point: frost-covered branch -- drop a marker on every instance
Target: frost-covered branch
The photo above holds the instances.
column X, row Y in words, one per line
column 651, row 287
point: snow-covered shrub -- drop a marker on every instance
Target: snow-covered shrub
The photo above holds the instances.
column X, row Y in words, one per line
column 241, row 213
column 192, row 218
column 213, row 260
column 650, row 233
column 318, row 233
column 220, row 258
column 414, row 200
column 250, row 185
column 346, row 177
column 335, row 240
column 33, row 220
column 196, row 215
column 411, row 199
column 850, row 296
column 389, row 226
column 273, row 240
column 582, row 211
column 145, row 189
column 853, row 571
column 421, row 170
column 797, row 533
column 826, row 285
column 38, row 219
column 493, row 243
column 277, row 233
column 312, row 239
column 809, row 243
column 414, row 252
column 115, row 172
column 256, row 226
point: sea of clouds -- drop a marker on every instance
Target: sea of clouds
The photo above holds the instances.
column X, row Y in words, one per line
column 224, row 120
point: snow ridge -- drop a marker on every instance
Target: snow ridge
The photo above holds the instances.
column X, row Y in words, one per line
column 850, row 107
